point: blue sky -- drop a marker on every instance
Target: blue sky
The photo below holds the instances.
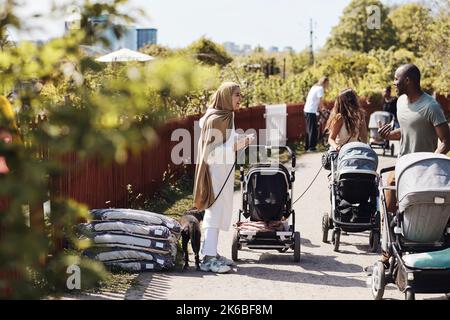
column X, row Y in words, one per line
column 256, row 22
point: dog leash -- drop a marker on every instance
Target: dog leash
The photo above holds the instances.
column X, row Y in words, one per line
column 317, row 174
column 232, row 168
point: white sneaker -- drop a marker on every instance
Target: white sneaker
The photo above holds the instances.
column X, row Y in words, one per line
column 214, row 265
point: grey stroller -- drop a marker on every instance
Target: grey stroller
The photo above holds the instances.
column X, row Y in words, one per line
column 376, row 141
column 417, row 237
column 354, row 195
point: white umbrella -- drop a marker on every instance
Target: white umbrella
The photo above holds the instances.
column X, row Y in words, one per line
column 124, row 55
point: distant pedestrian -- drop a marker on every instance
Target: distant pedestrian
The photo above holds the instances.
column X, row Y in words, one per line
column 314, row 102
column 390, row 105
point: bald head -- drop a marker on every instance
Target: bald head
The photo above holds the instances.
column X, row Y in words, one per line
column 412, row 72
column 407, row 79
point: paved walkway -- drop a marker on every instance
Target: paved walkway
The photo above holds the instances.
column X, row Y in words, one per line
column 321, row 273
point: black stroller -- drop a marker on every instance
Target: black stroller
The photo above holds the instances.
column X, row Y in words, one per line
column 267, row 197
column 354, row 194
column 417, row 237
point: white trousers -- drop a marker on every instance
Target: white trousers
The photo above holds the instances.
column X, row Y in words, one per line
column 210, row 242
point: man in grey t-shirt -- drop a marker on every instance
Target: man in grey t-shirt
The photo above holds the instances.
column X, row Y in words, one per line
column 421, row 118
column 422, row 122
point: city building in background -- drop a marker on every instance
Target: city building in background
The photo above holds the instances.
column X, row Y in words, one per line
column 231, row 47
column 246, row 49
column 131, row 38
column 128, row 39
column 288, row 49
column 146, row 36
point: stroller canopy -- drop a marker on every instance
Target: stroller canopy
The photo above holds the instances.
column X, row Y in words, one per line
column 357, row 156
column 422, row 172
column 382, row 116
column 423, row 192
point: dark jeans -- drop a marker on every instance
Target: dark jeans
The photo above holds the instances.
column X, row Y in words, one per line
column 311, row 131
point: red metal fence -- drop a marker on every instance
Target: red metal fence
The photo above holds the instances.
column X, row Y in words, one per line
column 105, row 185
column 99, row 185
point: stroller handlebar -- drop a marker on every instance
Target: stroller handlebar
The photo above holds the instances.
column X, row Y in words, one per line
column 388, row 169
column 259, row 146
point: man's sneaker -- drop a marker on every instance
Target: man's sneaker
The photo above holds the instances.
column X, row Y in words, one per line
column 214, row 265
column 224, row 260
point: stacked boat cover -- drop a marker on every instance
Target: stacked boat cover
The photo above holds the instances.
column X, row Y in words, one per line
column 132, row 240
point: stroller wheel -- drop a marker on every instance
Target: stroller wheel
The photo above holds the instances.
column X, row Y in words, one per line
column 235, row 246
column 374, row 241
column 378, row 281
column 325, row 227
column 409, row 295
column 336, row 239
column 297, row 246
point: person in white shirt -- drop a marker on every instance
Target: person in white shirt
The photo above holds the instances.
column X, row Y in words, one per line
column 314, row 101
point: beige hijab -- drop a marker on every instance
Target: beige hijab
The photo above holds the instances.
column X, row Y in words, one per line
column 220, row 117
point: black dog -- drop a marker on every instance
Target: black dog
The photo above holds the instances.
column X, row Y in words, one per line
column 190, row 230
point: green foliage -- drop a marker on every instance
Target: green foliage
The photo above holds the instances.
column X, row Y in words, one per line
column 435, row 60
column 353, row 31
column 67, row 102
column 300, row 61
column 208, row 52
column 156, row 50
column 90, row 109
column 7, row 18
column 411, row 23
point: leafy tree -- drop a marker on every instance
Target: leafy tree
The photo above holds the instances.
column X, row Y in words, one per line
column 390, row 60
column 7, row 18
column 208, row 52
column 411, row 23
column 435, row 60
column 364, row 26
column 156, row 50
column 91, row 109
column 300, row 61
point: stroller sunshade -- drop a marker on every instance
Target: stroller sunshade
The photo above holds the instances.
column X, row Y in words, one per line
column 423, row 192
column 267, row 195
column 357, row 156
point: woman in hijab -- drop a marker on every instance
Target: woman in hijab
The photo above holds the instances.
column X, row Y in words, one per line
column 216, row 155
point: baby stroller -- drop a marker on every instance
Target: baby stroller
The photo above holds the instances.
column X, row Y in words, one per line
column 376, row 141
column 417, row 237
column 354, row 194
column 267, row 192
